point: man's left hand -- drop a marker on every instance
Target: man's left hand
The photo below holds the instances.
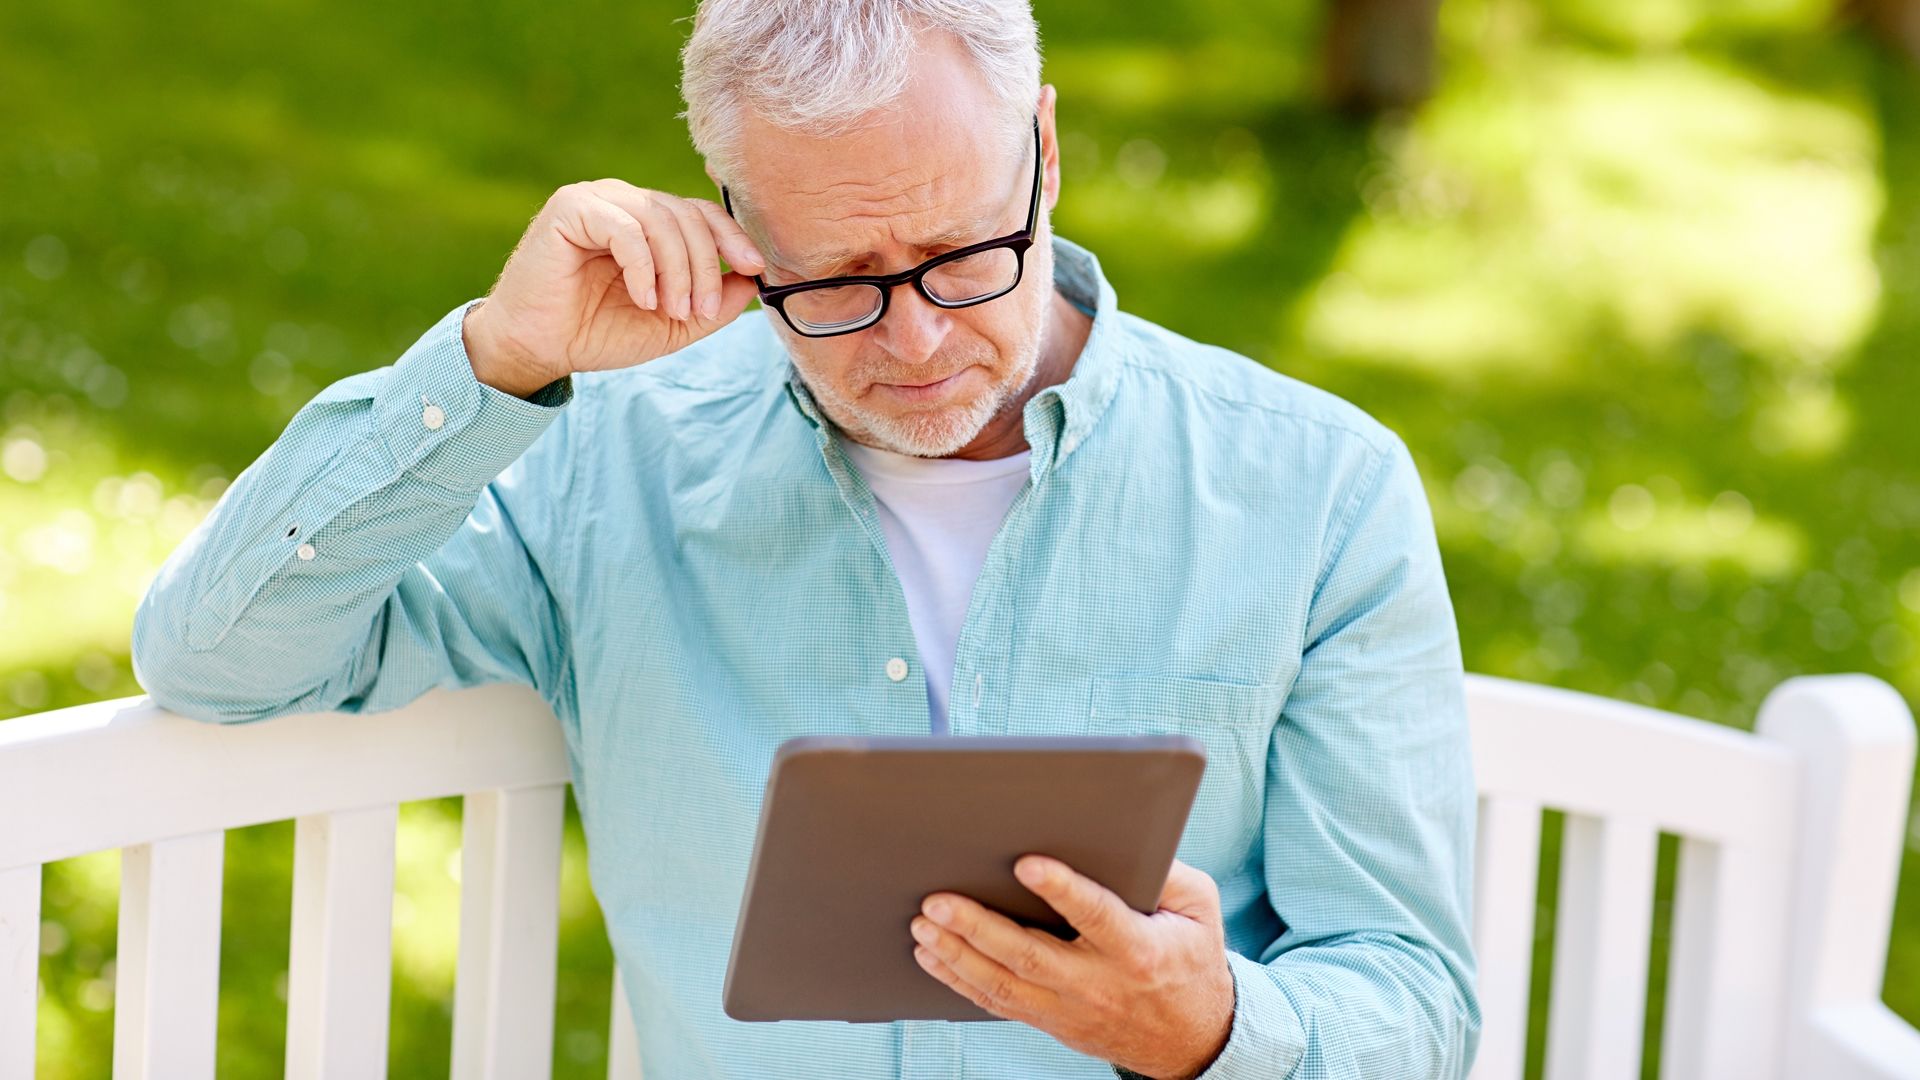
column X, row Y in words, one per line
column 1150, row 993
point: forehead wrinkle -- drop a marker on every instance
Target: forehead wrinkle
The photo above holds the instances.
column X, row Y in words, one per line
column 854, row 201
column 970, row 232
column 876, row 184
column 973, row 230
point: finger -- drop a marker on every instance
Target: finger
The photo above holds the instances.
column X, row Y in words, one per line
column 734, row 242
column 672, row 276
column 594, row 224
column 932, row 965
column 979, row 978
column 1192, row 892
column 702, row 256
column 1033, row 955
column 670, row 254
column 1096, row 911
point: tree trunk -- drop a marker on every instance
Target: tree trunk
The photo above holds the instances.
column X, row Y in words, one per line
column 1379, row 54
column 1897, row 22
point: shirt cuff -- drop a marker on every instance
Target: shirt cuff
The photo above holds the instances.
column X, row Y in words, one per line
column 1266, row 1040
column 438, row 420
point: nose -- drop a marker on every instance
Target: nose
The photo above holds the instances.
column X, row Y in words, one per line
column 913, row 328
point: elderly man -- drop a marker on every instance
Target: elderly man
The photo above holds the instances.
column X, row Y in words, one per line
column 938, row 482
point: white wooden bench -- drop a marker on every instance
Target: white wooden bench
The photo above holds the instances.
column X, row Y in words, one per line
column 1790, row 842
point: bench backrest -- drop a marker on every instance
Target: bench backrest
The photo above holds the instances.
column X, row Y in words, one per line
column 1789, row 844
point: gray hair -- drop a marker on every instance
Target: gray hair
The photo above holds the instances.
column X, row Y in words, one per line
column 818, row 66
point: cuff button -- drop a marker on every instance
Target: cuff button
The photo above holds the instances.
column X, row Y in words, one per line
column 433, row 416
column 305, row 551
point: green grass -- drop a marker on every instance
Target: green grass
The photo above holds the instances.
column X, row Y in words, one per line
column 1641, row 288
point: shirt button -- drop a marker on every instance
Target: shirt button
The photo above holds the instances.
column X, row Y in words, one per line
column 433, row 416
column 896, row 669
column 305, row 551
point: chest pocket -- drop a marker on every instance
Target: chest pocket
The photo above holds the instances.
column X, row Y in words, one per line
column 1234, row 721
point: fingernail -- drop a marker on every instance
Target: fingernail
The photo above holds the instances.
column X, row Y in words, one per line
column 653, row 299
column 709, row 307
column 1031, row 872
column 938, row 911
column 923, row 933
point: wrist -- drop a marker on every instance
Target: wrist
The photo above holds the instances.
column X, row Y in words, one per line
column 1209, row 1039
column 1193, row 1069
column 495, row 363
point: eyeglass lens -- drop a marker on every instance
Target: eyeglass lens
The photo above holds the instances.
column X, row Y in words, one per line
column 980, row 276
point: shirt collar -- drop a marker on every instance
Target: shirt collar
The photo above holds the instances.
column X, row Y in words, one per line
column 1058, row 418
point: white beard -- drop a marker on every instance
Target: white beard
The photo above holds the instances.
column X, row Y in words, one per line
column 928, row 432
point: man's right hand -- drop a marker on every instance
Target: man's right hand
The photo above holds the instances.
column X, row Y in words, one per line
column 609, row 275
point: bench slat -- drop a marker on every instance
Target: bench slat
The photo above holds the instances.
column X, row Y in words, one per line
column 340, row 975
column 503, row 997
column 1601, row 938
column 1506, row 877
column 167, row 969
column 1724, row 985
column 19, row 969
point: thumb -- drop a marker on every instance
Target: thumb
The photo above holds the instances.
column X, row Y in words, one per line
column 1190, row 891
column 736, row 292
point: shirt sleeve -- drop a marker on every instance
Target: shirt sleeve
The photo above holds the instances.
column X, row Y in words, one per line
column 1369, row 821
column 392, row 540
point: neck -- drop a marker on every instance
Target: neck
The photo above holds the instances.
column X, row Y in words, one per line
column 1060, row 344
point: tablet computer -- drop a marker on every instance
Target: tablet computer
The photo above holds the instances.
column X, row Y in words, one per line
column 856, row 830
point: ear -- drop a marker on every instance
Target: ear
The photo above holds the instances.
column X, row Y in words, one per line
column 1049, row 147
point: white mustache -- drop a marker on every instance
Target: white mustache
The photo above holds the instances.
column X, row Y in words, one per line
column 869, row 373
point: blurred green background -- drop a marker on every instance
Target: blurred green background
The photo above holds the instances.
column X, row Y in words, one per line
column 1639, row 283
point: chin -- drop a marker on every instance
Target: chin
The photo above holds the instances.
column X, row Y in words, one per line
column 931, row 432
column 927, row 434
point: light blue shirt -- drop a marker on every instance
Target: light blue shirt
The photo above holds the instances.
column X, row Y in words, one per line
column 680, row 559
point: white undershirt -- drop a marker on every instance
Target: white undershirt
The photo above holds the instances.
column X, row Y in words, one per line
column 939, row 515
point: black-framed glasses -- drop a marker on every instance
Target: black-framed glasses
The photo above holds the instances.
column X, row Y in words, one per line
column 959, row 278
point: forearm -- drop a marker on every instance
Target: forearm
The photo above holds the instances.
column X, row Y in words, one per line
column 278, row 600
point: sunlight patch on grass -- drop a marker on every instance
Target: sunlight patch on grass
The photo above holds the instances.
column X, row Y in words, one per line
column 1633, row 527
column 80, row 542
column 1573, row 196
column 1550, row 520
column 1805, row 418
